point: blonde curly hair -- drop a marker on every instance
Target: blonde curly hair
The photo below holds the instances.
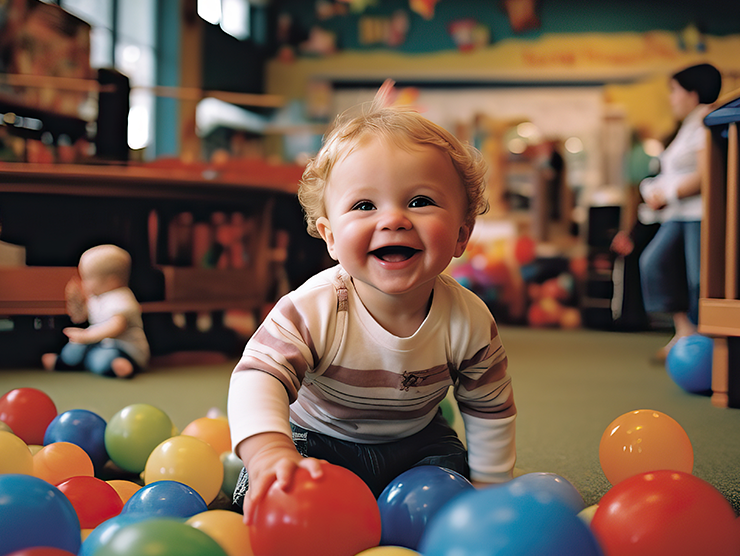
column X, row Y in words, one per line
column 403, row 126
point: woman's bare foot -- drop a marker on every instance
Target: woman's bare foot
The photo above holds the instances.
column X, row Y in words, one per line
column 684, row 327
column 49, row 360
column 662, row 354
column 122, row 367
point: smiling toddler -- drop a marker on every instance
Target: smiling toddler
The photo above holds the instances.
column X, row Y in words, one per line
column 352, row 366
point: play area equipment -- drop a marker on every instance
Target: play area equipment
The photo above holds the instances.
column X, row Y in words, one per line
column 655, row 503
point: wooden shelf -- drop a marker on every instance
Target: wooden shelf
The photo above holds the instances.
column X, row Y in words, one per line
column 162, row 180
column 719, row 306
column 116, row 203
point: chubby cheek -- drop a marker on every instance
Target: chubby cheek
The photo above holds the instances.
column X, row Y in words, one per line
column 351, row 242
column 441, row 238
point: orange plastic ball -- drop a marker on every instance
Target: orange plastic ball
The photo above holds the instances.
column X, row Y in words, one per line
column 125, row 489
column 227, row 529
column 641, row 441
column 214, row 431
column 57, row 462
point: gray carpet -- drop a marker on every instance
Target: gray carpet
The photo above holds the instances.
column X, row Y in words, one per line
column 569, row 385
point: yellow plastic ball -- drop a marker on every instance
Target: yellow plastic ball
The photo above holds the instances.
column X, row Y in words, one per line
column 388, row 551
column 16, row 457
column 188, row 460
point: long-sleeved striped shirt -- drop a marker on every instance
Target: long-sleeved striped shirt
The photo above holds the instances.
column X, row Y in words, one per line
column 347, row 377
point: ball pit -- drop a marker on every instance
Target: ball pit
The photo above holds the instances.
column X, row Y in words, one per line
column 645, row 512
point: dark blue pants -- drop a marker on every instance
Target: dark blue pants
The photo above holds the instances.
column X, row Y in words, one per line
column 669, row 269
column 91, row 357
column 378, row 464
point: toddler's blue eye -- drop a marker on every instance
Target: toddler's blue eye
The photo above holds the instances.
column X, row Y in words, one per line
column 364, row 205
column 417, row 202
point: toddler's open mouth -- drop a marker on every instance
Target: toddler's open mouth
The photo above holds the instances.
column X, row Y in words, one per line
column 394, row 253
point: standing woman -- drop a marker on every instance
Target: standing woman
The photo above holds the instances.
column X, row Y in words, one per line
column 670, row 264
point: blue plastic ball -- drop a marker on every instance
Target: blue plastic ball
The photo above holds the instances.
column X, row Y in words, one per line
column 507, row 520
column 689, row 363
column 81, row 427
column 554, row 484
column 104, row 532
column 35, row 513
column 165, row 499
column 412, row 499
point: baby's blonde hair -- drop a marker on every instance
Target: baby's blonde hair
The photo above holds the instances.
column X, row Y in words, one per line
column 402, row 125
column 107, row 260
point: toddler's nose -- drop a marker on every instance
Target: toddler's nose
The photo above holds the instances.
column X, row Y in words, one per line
column 394, row 219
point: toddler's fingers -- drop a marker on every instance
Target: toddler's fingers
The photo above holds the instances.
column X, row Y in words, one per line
column 313, row 466
column 256, row 492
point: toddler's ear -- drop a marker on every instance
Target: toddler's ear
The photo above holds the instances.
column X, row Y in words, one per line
column 463, row 237
column 324, row 228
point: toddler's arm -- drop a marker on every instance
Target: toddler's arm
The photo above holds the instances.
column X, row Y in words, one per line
column 258, row 409
column 76, row 308
column 271, row 457
column 113, row 327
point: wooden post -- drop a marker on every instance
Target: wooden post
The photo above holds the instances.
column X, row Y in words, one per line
column 191, row 62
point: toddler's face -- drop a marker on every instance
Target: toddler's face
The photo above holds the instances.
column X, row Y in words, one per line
column 95, row 282
column 395, row 216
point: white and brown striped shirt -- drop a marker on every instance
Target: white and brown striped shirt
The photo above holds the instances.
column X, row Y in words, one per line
column 347, row 377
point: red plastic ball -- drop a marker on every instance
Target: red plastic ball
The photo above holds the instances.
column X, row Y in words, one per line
column 27, row 411
column 94, row 500
column 41, row 551
column 335, row 515
column 665, row 512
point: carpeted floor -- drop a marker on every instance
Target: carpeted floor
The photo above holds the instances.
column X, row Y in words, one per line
column 569, row 386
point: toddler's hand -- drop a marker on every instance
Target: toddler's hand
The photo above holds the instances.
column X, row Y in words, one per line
column 76, row 335
column 274, row 465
